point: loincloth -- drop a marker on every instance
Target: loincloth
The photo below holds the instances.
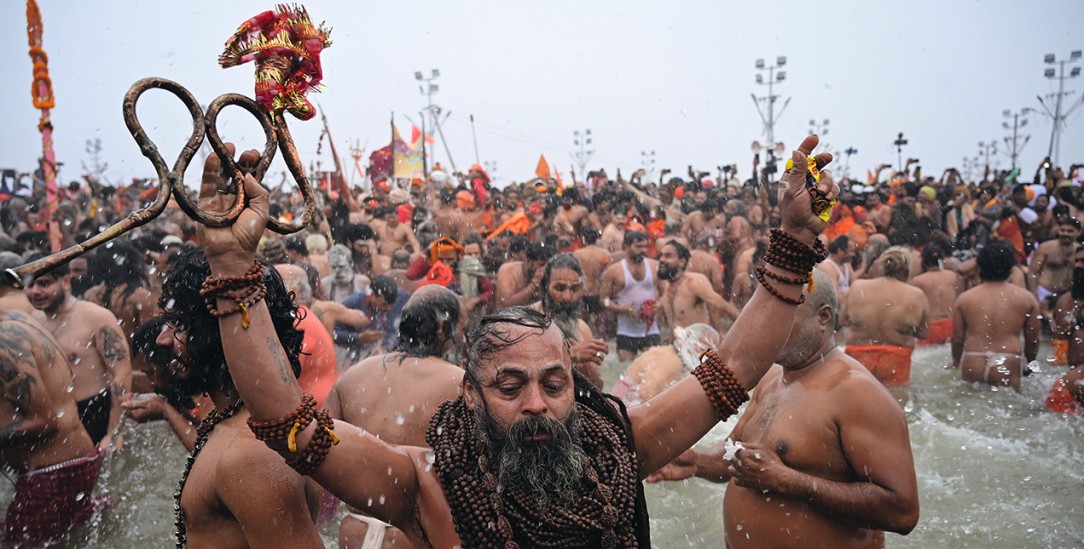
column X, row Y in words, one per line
column 51, row 501
column 1003, row 366
column 890, row 364
column 940, row 332
column 94, row 413
column 374, row 534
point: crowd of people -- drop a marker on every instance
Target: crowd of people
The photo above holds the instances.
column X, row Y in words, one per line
column 455, row 332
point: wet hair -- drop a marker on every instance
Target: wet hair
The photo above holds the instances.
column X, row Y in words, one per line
column 354, row 232
column 145, row 343
column 518, row 244
column 839, row 244
column 632, row 237
column 384, row 286
column 420, row 331
column 186, row 310
column 932, row 255
column 340, row 251
column 560, row 261
column 896, row 263
column 540, row 252
column 295, row 243
column 119, row 264
column 316, row 244
column 996, row 261
column 1072, row 221
column 492, row 336
column 589, row 234
column 681, row 250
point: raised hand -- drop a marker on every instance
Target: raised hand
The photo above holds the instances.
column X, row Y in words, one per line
column 795, row 202
column 232, row 248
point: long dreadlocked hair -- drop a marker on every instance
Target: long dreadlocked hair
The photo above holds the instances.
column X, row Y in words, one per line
column 186, row 310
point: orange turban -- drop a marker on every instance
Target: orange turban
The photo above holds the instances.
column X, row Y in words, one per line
column 465, row 200
column 443, row 244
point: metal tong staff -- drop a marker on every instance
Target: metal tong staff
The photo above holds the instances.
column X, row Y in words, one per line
column 171, row 181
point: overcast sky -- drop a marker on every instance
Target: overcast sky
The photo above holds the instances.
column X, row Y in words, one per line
column 670, row 77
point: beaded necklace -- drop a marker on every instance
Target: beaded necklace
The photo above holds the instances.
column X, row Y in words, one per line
column 491, row 516
column 203, row 432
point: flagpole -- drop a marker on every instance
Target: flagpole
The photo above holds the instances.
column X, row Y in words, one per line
column 474, row 135
column 425, row 159
column 43, row 99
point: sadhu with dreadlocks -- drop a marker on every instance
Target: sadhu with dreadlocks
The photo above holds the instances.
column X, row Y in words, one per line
column 530, row 455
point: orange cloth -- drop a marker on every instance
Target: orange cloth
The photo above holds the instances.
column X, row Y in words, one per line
column 1061, row 351
column 519, row 223
column 465, row 200
column 1061, row 401
column 439, row 274
column 319, row 367
column 940, row 332
column 890, row 364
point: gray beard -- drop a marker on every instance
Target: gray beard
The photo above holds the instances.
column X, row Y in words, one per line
column 565, row 315
column 548, row 472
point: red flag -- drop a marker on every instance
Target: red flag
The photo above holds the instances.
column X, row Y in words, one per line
column 415, row 133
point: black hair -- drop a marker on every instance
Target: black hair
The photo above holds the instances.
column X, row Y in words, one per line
column 145, row 343
column 560, row 261
column 355, row 231
column 589, row 234
column 186, row 310
column 932, row 255
column 120, row 264
column 682, row 250
column 839, row 244
column 384, row 286
column 492, row 336
column 420, row 333
column 518, row 244
column 996, row 261
column 55, row 272
column 539, row 252
column 634, row 236
column 296, row 243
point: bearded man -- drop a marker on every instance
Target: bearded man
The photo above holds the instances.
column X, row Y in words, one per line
column 531, row 455
column 562, row 301
column 687, row 297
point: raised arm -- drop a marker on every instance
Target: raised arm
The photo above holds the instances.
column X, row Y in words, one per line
column 670, row 423
column 262, row 375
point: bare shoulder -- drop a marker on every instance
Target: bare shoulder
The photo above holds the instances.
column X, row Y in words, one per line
column 93, row 313
column 856, row 391
column 508, row 268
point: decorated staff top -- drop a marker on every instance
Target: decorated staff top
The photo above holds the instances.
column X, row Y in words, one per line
column 286, row 46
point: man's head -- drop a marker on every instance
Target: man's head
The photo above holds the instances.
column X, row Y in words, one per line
column 635, row 246
column 296, row 248
column 382, row 294
column 429, row 322
column 841, row 249
column 996, row 261
column 192, row 334
column 1068, row 230
column 895, row 262
column 445, row 249
column 562, row 282
column 49, row 290
column 673, row 260
column 1019, row 196
column 537, row 256
column 932, row 257
column 358, row 238
column 814, row 323
column 296, row 281
column 473, row 248
column 520, row 385
column 341, row 262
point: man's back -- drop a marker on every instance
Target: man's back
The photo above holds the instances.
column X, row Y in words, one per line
column 941, row 288
column 885, row 311
column 594, row 260
column 994, row 315
column 383, row 395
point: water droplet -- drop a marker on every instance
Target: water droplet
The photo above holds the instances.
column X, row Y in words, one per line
column 399, row 419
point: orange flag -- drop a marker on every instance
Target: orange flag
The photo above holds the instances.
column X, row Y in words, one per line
column 543, row 169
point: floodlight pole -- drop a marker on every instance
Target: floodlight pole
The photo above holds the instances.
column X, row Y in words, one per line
column 1013, row 143
column 1057, row 115
column 769, row 100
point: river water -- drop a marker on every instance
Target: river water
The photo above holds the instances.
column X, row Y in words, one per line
column 995, row 469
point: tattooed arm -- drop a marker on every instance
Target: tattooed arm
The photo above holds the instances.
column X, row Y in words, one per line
column 20, row 386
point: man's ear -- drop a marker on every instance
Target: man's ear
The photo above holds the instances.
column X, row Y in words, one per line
column 470, row 393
